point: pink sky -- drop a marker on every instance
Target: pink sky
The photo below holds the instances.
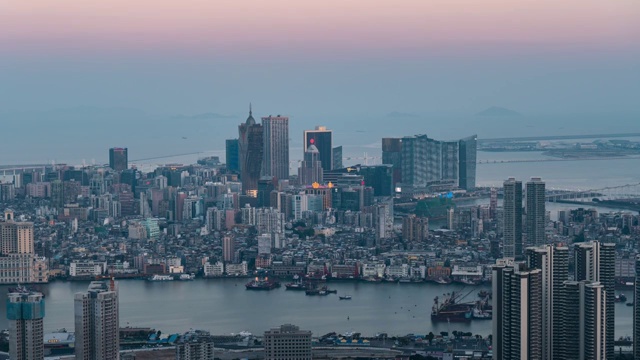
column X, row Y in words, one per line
column 324, row 26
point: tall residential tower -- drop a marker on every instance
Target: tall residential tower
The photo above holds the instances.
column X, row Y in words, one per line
column 536, row 214
column 25, row 312
column 512, row 204
column 97, row 322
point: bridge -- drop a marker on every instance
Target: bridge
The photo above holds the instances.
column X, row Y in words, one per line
column 610, row 193
column 558, row 137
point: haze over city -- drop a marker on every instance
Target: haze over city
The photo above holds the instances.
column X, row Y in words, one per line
column 348, row 65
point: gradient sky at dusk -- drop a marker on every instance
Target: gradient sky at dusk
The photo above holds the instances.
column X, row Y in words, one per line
column 319, row 58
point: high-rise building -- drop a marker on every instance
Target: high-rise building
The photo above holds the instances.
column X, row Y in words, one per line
column 415, row 228
column 512, row 211
column 228, row 249
column 536, row 214
column 425, row 160
column 232, row 152
column 554, row 263
column 16, row 237
column 25, row 312
column 287, row 342
column 337, row 157
column 195, row 345
column 118, row 159
column 57, row 194
column 276, row 147
column 517, row 311
column 97, row 322
column 380, row 178
column 321, row 138
column 310, row 170
column 595, row 261
column 493, row 202
column 584, row 322
column 468, row 148
column 636, row 311
column 392, row 155
column 250, row 147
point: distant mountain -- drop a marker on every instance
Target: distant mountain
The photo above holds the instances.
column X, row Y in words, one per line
column 495, row 111
column 398, row 114
column 203, row 116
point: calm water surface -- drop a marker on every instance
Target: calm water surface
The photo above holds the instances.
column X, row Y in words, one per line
column 224, row 306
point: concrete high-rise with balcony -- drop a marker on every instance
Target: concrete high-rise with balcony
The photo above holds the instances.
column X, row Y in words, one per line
column 25, row 312
column 287, row 342
column 97, row 322
column 322, row 139
column 595, row 261
column 276, row 147
column 310, row 170
column 636, row 311
column 512, row 212
column 585, row 322
column 553, row 261
column 251, row 154
column 118, row 159
column 517, row 311
column 536, row 214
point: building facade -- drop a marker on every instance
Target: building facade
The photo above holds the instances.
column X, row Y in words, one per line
column 468, row 148
column 636, row 311
column 97, row 322
column 232, row 155
column 322, row 139
column 195, row 345
column 310, row 170
column 276, row 147
column 536, row 214
column 512, row 204
column 250, row 147
column 392, row 155
column 25, row 312
column 118, row 159
column 287, row 342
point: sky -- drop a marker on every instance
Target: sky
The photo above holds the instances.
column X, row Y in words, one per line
column 318, row 60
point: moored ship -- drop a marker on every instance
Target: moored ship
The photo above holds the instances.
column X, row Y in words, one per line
column 297, row 284
column 262, row 283
column 161, row 278
column 450, row 309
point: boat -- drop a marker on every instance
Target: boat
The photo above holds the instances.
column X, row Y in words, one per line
column 404, row 280
column 481, row 314
column 262, row 283
column 621, row 298
column 345, row 297
column 443, row 281
column 161, row 278
column 331, row 291
column 450, row 309
column 187, row 277
column 318, row 291
column 629, row 304
column 298, row 284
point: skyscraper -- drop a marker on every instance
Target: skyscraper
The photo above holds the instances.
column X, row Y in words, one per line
column 232, row 152
column 276, row 147
column 380, row 177
column 425, row 160
column 536, row 214
column 595, row 261
column 250, row 146
column 310, row 170
column 584, row 322
column 512, row 246
column 392, row 155
column 337, row 158
column 321, row 138
column 97, row 322
column 636, row 311
column 468, row 149
column 554, row 264
column 25, row 312
column 517, row 311
column 118, row 159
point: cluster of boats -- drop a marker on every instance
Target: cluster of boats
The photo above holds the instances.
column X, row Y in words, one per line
column 452, row 307
column 310, row 286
